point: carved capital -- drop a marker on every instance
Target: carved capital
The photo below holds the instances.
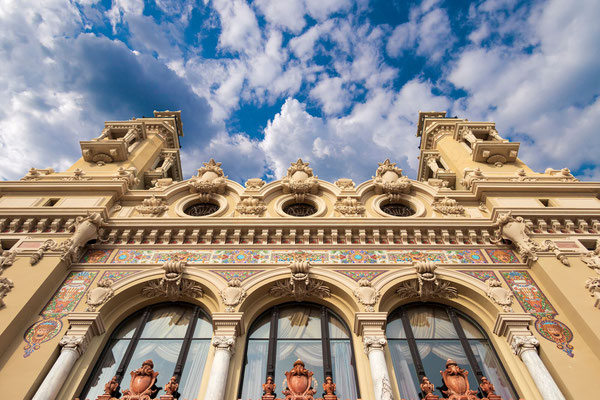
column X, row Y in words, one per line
column 225, row 343
column 76, row 343
column 374, row 343
column 521, row 344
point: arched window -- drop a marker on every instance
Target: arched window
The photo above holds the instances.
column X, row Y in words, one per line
column 175, row 336
column 423, row 337
column 308, row 332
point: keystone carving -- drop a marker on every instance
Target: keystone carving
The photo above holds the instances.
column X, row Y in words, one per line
column 254, row 184
column 99, row 295
column 127, row 175
column 427, row 284
column 7, row 258
column 152, row 206
column 173, row 285
column 349, row 207
column 515, row 230
column 39, row 253
column 251, row 206
column 366, row 294
column 499, row 295
column 388, row 180
column 6, row 286
column 210, row 179
column 345, row 184
column 300, row 286
column 300, row 181
column 142, row 386
column 448, row 206
column 233, row 295
column 84, row 230
column 471, row 176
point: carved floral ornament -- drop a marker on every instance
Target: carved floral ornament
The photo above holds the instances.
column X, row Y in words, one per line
column 388, row 180
column 7, row 258
column 349, row 207
column 210, row 179
column 6, row 286
column 152, row 206
column 251, row 206
column 300, row 285
column 173, row 285
column 427, row 284
column 448, row 206
column 300, row 181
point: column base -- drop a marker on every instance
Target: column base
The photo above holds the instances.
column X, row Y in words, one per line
column 167, row 397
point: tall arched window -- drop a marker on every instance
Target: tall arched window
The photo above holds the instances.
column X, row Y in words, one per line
column 423, row 337
column 308, row 332
column 175, row 336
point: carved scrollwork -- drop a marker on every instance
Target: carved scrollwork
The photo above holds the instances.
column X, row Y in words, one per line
column 152, row 206
column 499, row 295
column 173, row 285
column 521, row 344
column 345, row 184
column 448, row 206
column 99, row 295
column 300, row 181
column 300, row 286
column 74, row 342
column 366, row 294
column 374, row 343
column 210, row 179
column 515, row 230
column 427, row 284
column 471, row 176
column 78, row 175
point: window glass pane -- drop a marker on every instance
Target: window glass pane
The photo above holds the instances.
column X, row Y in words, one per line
column 168, row 322
column 299, row 322
column 108, row 368
column 127, row 329
column 203, row 329
column 163, row 353
column 343, row 373
column 490, row 366
column 261, row 328
column 395, row 329
column 189, row 385
column 309, row 351
column 255, row 370
column 337, row 329
column 431, row 322
column 435, row 353
column 471, row 331
column 404, row 369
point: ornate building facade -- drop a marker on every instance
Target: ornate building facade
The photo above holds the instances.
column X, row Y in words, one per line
column 120, row 279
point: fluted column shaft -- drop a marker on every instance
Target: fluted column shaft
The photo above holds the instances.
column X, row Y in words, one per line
column 379, row 373
column 217, row 381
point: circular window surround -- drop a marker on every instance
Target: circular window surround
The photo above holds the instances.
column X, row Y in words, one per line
column 313, row 200
column 191, row 199
column 409, row 201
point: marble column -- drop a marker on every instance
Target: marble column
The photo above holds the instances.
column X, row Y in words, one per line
column 379, row 374
column 526, row 348
column 83, row 326
column 226, row 326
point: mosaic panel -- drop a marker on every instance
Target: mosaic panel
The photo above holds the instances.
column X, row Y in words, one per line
column 360, row 274
column 133, row 256
column 63, row 302
column 466, row 257
column 240, row 274
column 314, row 257
column 533, row 301
column 502, row 256
column 358, row 256
column 413, row 256
column 241, row 256
column 481, row 275
column 95, row 256
column 192, row 257
column 116, row 276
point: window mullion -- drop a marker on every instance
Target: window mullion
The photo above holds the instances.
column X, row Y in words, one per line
column 465, row 344
column 327, row 369
column 185, row 347
column 412, row 346
column 132, row 344
column 272, row 344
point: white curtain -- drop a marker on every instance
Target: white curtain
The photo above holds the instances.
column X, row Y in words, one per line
column 404, row 369
column 167, row 322
column 255, row 369
column 343, row 373
column 492, row 369
column 193, row 370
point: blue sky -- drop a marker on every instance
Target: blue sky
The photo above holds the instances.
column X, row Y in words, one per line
column 336, row 82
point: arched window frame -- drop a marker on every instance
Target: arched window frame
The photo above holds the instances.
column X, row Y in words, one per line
column 462, row 337
column 121, row 373
column 325, row 342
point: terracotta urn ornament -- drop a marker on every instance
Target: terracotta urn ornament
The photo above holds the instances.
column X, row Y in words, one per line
column 268, row 389
column 142, row 386
column 455, row 379
column 299, row 383
column 329, row 389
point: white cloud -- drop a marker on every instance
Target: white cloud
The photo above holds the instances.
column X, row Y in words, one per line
column 239, row 27
column 330, row 94
column 288, row 14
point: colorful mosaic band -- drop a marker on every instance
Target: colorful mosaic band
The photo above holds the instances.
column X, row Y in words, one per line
column 533, row 301
column 481, row 275
column 63, row 302
column 247, row 256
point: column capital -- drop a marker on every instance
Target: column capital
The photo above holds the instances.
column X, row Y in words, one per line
column 227, row 323
column 374, row 343
column 83, row 326
column 370, row 323
column 75, row 343
column 510, row 325
column 223, row 342
column 521, row 344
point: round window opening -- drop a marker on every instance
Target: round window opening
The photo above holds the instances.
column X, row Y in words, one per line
column 201, row 209
column 397, row 210
column 300, row 209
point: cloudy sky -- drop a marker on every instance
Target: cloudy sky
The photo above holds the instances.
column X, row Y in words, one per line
column 336, row 82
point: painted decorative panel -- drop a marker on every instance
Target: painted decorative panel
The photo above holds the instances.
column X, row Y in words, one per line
column 502, row 256
column 533, row 301
column 95, row 256
column 357, row 274
column 241, row 274
column 116, row 276
column 63, row 302
column 481, row 275
column 466, row 257
column 357, row 256
column 314, row 257
column 240, row 256
column 412, row 256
